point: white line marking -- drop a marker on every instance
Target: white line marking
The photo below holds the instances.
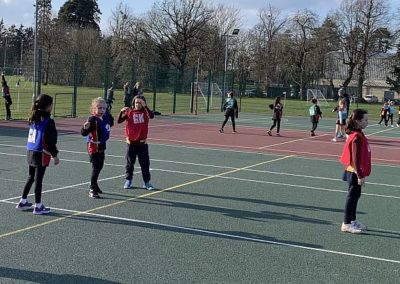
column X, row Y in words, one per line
column 214, row 233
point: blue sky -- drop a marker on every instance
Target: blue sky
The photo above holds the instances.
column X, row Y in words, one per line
column 22, row 11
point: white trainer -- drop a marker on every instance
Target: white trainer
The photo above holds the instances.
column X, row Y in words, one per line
column 350, row 228
column 359, row 225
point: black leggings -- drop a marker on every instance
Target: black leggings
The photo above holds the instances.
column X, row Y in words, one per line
column 97, row 160
column 230, row 113
column 277, row 123
column 8, row 104
column 36, row 175
column 314, row 126
column 142, row 152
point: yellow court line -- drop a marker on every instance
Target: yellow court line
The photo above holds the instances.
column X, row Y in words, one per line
column 140, row 196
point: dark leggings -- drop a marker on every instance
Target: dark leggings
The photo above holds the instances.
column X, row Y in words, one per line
column 97, row 160
column 353, row 195
column 314, row 126
column 142, row 152
column 384, row 118
column 8, row 104
column 36, row 175
column 230, row 113
column 277, row 123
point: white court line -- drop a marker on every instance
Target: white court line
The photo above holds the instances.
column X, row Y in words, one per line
column 209, row 166
column 215, row 233
column 280, row 184
column 292, row 141
column 63, row 187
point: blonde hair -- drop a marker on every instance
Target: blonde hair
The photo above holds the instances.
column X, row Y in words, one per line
column 95, row 102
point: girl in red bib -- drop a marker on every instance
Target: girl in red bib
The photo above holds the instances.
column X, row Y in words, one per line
column 136, row 129
column 356, row 158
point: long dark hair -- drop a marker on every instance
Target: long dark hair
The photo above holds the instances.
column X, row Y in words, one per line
column 39, row 108
column 277, row 101
column 352, row 124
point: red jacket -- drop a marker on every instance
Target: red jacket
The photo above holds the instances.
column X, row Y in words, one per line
column 357, row 154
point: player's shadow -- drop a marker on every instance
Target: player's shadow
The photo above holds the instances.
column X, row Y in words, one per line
column 382, row 233
column 265, row 202
column 231, row 235
column 48, row 278
column 234, row 213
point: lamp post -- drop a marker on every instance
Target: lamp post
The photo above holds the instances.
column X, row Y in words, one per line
column 35, row 55
column 235, row 32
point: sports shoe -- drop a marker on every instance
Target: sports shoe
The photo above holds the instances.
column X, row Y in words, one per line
column 312, row 133
column 23, row 206
column 221, row 130
column 234, row 131
column 148, row 185
column 41, row 210
column 340, row 135
column 334, row 139
column 278, row 134
column 350, row 228
column 359, row 225
column 269, row 133
column 398, row 125
column 97, row 188
column 93, row 194
column 128, row 184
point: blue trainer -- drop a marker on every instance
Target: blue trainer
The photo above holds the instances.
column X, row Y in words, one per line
column 128, row 184
column 41, row 210
column 148, row 185
column 23, row 206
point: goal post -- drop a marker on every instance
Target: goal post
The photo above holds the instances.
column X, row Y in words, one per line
column 201, row 98
column 316, row 94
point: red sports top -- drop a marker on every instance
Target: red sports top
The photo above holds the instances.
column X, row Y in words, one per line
column 137, row 125
column 357, row 154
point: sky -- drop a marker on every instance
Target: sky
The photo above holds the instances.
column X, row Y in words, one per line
column 22, row 11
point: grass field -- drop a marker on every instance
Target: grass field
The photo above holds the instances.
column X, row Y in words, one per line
column 22, row 99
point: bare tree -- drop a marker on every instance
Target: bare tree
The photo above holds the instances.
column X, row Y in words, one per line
column 176, row 26
column 265, row 34
column 359, row 22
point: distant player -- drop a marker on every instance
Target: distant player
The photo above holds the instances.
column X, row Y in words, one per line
column 277, row 108
column 315, row 115
column 231, row 111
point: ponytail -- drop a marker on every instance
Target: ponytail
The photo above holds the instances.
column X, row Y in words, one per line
column 39, row 108
column 356, row 115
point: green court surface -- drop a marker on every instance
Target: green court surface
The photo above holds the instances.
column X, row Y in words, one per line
column 218, row 214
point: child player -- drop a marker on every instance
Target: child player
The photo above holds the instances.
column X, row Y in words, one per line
column 97, row 132
column 356, row 158
column 315, row 115
column 136, row 130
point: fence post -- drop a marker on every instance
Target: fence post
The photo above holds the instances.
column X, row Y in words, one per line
column 106, row 76
column 175, row 87
column 155, row 88
column 75, row 93
column 39, row 73
column 192, row 89
column 209, row 91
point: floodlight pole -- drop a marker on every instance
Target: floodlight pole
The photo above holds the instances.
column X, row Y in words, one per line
column 35, row 54
column 235, row 32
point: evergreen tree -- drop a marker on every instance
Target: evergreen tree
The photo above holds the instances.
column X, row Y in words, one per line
column 80, row 13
